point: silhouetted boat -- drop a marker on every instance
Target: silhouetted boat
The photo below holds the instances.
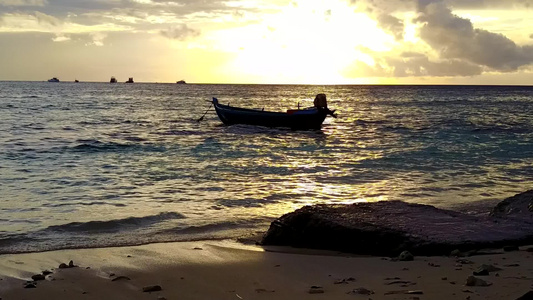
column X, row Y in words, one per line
column 53, row 80
column 113, row 80
column 76, row 80
column 130, row 80
column 309, row 118
column 181, row 82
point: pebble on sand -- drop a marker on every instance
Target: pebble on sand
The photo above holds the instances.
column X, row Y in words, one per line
column 316, row 290
column 38, row 277
column 361, row 291
column 474, row 281
column 405, row 256
column 151, row 288
column 120, row 278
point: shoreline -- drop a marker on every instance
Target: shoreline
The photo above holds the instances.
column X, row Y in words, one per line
column 227, row 269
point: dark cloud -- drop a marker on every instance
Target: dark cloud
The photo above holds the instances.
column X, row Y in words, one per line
column 99, row 9
column 409, row 5
column 392, row 25
column 18, row 3
column 180, row 32
column 420, row 65
column 46, row 19
column 454, row 37
column 488, row 4
column 412, row 64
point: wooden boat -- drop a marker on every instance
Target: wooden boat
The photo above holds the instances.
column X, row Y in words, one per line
column 310, row 118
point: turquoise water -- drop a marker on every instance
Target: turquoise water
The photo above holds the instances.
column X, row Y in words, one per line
column 99, row 164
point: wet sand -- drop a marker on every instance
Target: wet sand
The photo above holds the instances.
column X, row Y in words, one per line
column 230, row 270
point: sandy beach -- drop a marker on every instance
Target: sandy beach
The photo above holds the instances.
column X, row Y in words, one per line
column 231, row 270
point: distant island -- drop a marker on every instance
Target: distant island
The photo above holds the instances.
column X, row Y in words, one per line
column 130, row 80
column 53, row 80
column 113, row 80
column 181, row 82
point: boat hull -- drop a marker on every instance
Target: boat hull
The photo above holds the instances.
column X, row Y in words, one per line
column 296, row 119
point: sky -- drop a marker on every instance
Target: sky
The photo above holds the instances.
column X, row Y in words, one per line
column 269, row 42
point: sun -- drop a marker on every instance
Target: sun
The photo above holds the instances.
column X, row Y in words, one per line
column 307, row 42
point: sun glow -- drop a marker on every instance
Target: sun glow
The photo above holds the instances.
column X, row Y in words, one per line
column 306, row 42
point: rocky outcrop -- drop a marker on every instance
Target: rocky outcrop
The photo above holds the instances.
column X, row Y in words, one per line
column 390, row 227
column 518, row 207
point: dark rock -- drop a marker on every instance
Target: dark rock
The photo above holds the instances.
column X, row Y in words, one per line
column 406, row 292
column 71, row 264
column 30, row 285
column 38, row 277
column 316, row 290
column 474, row 281
column 512, row 265
column 389, row 227
column 120, row 278
column 488, row 268
column 361, row 291
column 406, row 256
column 481, row 273
column 46, row 272
column 457, row 253
column 344, row 280
column 464, row 261
column 526, row 296
column 152, row 288
column 510, row 248
column 63, row 266
column 518, row 207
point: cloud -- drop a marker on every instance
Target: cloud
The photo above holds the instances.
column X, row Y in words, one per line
column 420, row 65
column 454, row 37
column 180, row 32
column 409, row 5
column 46, row 19
column 23, row 2
column 392, row 25
column 412, row 64
column 61, row 38
column 97, row 39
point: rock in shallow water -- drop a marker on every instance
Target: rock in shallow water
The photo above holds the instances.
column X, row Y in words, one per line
column 390, row 227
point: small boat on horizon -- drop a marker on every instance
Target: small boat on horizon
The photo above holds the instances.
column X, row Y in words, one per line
column 130, row 80
column 76, row 80
column 113, row 80
column 181, row 82
column 53, row 80
column 303, row 119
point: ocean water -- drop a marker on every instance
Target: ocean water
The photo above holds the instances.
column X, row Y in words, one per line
column 99, row 164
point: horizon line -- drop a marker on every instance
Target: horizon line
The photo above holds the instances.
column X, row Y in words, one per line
column 318, row 84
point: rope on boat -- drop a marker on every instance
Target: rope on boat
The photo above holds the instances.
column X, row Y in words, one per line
column 205, row 113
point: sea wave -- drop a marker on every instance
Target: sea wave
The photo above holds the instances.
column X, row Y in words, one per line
column 115, row 225
column 93, row 146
